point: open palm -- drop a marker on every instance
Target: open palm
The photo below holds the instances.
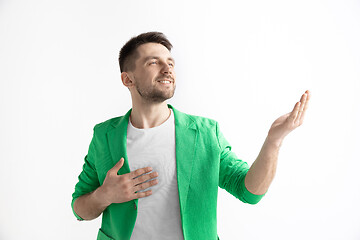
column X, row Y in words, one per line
column 288, row 122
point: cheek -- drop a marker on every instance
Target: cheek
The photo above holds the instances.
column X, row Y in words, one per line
column 146, row 76
column 141, row 76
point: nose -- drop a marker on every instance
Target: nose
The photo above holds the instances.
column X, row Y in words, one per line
column 167, row 69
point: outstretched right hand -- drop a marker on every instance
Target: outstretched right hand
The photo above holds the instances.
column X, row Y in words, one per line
column 123, row 188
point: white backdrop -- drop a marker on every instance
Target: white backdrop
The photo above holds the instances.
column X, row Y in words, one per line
column 243, row 63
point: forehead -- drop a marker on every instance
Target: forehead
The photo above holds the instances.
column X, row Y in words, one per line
column 153, row 49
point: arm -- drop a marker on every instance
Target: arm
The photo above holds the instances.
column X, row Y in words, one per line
column 91, row 205
column 115, row 189
column 262, row 171
column 232, row 172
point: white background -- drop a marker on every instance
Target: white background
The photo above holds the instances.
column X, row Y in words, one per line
column 243, row 63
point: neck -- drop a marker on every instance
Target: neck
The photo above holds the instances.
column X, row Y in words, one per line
column 149, row 115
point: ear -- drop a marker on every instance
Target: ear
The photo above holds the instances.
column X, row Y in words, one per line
column 127, row 79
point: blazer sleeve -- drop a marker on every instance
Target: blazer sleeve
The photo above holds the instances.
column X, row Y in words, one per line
column 88, row 180
column 233, row 171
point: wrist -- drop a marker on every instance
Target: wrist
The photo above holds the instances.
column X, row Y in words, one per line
column 274, row 141
column 100, row 196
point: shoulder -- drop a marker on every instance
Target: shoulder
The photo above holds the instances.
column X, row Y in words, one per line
column 108, row 125
column 200, row 121
column 207, row 129
column 203, row 121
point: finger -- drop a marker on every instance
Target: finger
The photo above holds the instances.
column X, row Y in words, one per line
column 305, row 107
column 117, row 166
column 139, row 172
column 295, row 111
column 143, row 194
column 301, row 110
column 307, row 98
column 146, row 185
column 144, row 178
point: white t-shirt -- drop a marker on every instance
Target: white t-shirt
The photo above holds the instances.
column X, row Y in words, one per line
column 158, row 214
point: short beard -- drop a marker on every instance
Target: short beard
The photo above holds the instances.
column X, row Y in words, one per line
column 154, row 95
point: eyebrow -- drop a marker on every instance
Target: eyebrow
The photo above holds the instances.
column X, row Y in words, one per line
column 154, row 57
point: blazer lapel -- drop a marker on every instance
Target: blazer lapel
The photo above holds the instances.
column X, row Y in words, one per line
column 185, row 143
column 117, row 142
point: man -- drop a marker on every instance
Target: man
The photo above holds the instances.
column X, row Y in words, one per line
column 154, row 173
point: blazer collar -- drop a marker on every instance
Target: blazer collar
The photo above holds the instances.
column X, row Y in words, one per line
column 185, row 144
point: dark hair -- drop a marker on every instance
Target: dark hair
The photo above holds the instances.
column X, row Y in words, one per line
column 128, row 53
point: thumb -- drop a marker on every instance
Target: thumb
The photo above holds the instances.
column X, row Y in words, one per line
column 117, row 166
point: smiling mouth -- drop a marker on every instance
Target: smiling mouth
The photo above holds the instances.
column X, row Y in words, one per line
column 165, row 81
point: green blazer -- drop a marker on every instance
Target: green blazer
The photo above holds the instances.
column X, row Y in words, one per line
column 204, row 162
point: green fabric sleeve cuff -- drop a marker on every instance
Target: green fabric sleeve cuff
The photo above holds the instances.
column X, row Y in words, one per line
column 72, row 206
column 250, row 197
